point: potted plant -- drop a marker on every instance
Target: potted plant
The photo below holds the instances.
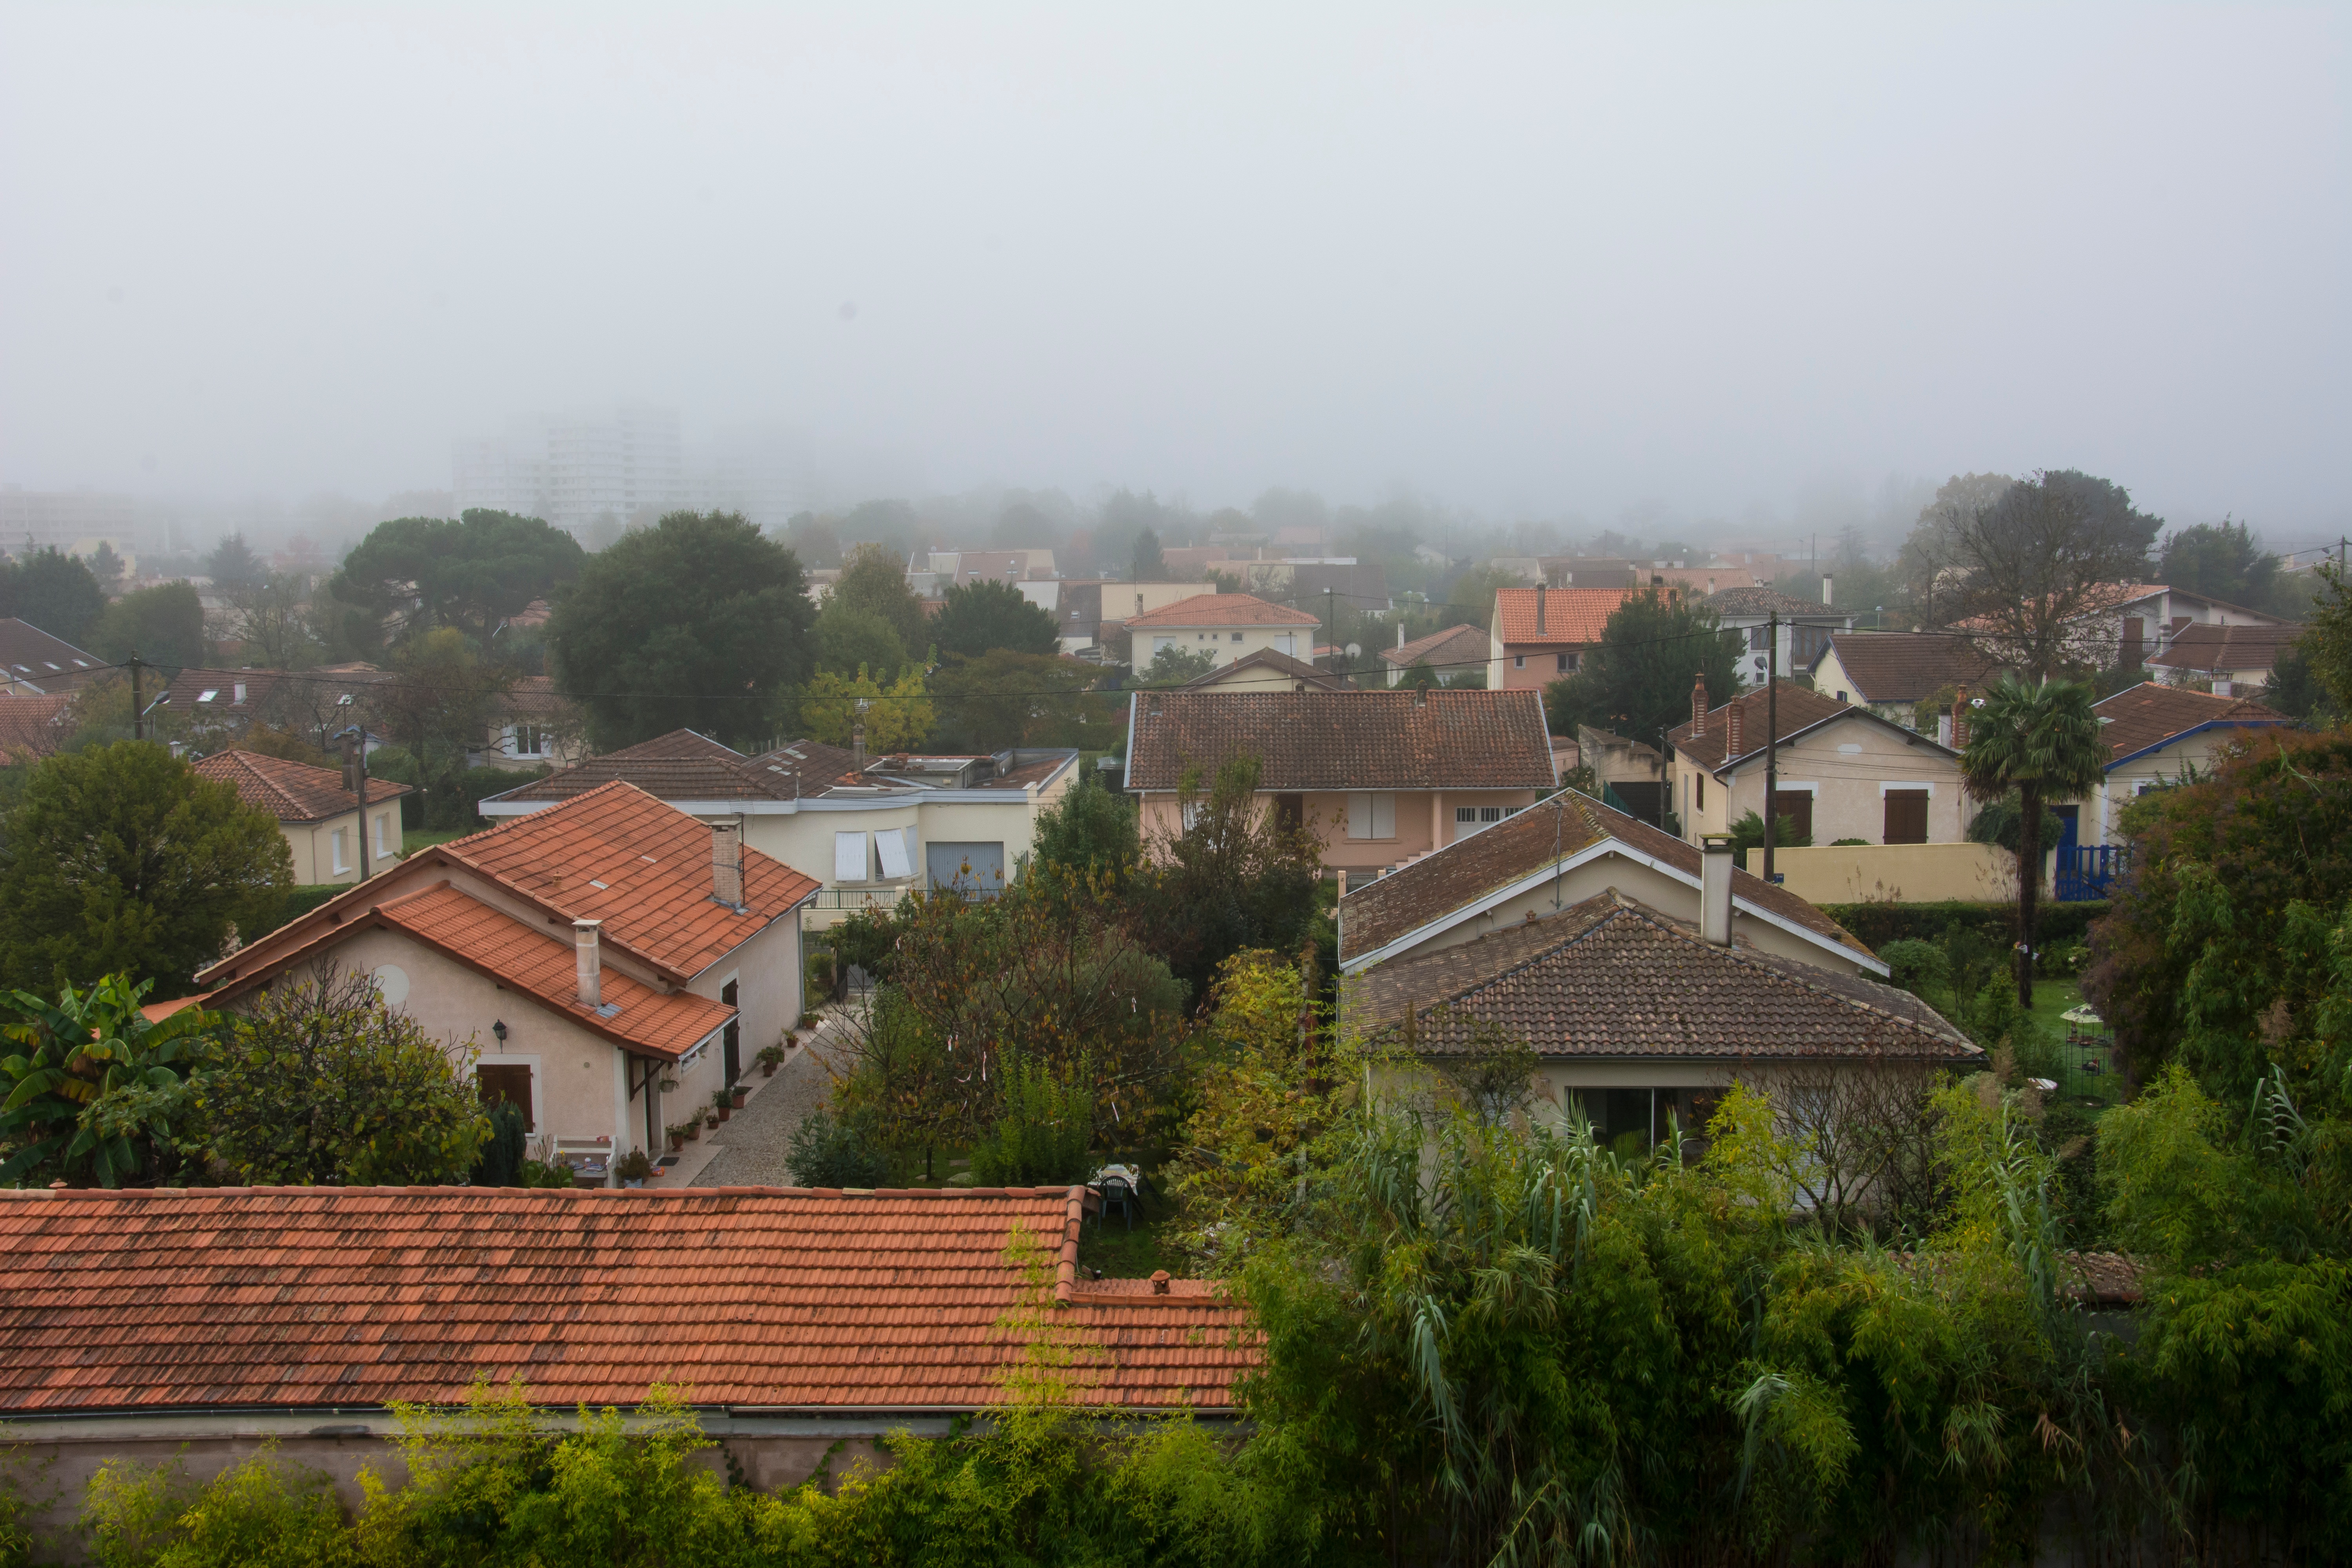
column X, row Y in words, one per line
column 678, row 1134
column 810, row 1020
column 722, row 1104
column 693, row 1127
column 632, row 1168
column 711, row 1119
column 769, row 1058
column 669, row 1085
column 740, row 1093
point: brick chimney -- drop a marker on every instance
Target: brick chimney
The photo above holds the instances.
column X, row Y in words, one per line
column 727, row 865
column 590, row 960
column 1735, row 741
column 1961, row 719
column 1698, row 707
column 1539, row 609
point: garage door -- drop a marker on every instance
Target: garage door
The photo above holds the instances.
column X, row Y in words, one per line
column 975, row 868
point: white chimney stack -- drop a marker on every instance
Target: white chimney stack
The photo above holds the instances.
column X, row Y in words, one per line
column 1827, row 598
column 591, row 961
column 1715, row 890
column 727, row 865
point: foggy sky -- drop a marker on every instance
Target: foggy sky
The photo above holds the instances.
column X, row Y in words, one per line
column 1530, row 262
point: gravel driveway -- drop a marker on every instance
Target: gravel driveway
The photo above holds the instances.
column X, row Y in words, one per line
column 753, row 1142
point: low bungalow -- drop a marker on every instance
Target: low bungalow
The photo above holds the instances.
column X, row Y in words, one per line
column 608, row 957
column 34, row 663
column 1381, row 777
column 318, row 810
column 1898, row 675
column 2232, row 660
column 1452, row 653
column 1539, row 635
column 2158, row 735
column 1226, row 627
column 191, row 1326
column 1266, row 670
column 1845, row 773
column 1805, row 628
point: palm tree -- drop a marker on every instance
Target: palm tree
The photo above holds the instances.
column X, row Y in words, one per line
column 2043, row 741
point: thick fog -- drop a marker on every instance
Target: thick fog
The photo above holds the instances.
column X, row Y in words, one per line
column 1685, row 263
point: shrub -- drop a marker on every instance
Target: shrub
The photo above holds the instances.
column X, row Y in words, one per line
column 502, row 1154
column 1047, row 1125
column 1919, row 967
column 829, row 1152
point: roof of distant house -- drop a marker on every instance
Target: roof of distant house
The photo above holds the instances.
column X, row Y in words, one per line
column 32, row 728
column 534, row 697
column 1798, row 710
column 1568, row 616
column 32, row 655
column 684, row 765
column 1220, row 610
column 833, row 1302
column 1467, row 872
column 1456, row 647
column 1612, row 977
column 1344, row 739
column 291, row 791
column 1906, row 667
column 198, row 691
column 2202, row 644
column 1266, row 659
column 2144, row 717
column 1704, row 579
column 1745, row 602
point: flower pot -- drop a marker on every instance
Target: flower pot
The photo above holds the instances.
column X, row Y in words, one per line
column 714, row 1119
column 767, row 1069
column 633, row 1180
column 676, row 1141
column 741, row 1096
column 724, row 1111
column 694, row 1130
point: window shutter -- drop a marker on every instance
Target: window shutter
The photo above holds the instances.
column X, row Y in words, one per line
column 1384, row 815
column 1360, row 814
column 849, row 857
column 896, row 863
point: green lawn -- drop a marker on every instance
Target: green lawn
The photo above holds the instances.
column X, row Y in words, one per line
column 2052, row 999
column 1107, row 1244
column 412, row 839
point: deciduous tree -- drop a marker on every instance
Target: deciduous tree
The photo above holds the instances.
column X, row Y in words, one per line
column 1637, row 681
column 470, row 572
column 2031, row 572
column 53, row 591
column 873, row 581
column 164, row 624
column 984, row 616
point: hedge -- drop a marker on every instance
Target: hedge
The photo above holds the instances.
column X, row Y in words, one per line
column 1879, row 923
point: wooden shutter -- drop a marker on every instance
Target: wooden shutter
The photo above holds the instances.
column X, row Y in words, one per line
column 510, row 1082
column 1907, row 817
column 1797, row 805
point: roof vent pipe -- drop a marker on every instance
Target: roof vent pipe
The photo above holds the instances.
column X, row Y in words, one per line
column 727, row 863
column 1715, row 890
column 590, row 960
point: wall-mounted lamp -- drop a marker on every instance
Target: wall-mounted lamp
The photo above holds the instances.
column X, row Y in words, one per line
column 500, row 1029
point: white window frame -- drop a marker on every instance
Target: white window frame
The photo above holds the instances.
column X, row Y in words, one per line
column 335, row 848
column 383, row 834
column 1518, row 661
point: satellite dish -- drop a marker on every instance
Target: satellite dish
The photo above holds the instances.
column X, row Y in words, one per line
column 1355, row 650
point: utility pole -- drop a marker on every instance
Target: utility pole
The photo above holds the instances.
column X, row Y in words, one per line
column 1771, row 730
column 138, row 719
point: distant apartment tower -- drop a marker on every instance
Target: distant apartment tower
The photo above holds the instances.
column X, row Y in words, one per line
column 67, row 518
column 577, row 469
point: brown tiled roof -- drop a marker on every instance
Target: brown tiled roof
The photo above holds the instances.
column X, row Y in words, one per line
column 817, row 765
column 2150, row 713
column 1467, row 872
column 2201, row 645
column 1704, row 579
column 681, row 765
column 1799, row 710
column 291, row 791
column 1571, row 617
column 1456, row 647
column 777, row 1298
column 1266, row 659
column 1344, row 739
column 32, row 728
column 54, row 665
column 534, row 695
column 1612, row 977
column 614, row 854
column 1908, row 666
column 1744, row 602
column 1222, row 610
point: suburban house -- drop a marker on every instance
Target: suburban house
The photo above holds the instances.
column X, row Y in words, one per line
column 1312, row 580
column 1805, row 629
column 1845, row 773
column 317, row 703
column 1646, row 973
column 1539, row 634
column 1632, row 775
column 1452, row 653
column 685, row 951
column 1892, row 674
column 862, row 830
column 2139, row 620
column 318, row 810
column 1224, row 626
column 1266, row 670
column 34, row 663
column 794, row 1322
column 1381, row 777
column 2234, row 660
column 932, row 573
column 2156, row 734
column 1077, row 612
column 534, row 724
column 32, row 728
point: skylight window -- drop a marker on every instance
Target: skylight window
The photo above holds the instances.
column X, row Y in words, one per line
column 208, row 693
column 594, row 883
column 609, row 1010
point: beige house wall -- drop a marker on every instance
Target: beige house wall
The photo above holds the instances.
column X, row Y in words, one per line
column 2101, row 819
column 312, row 845
column 1224, row 644
column 1830, row 679
column 1668, row 895
column 1423, row 821
column 1847, row 765
column 1895, row 873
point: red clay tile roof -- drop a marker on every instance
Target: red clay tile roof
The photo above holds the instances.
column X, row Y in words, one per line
column 2204, row 646
column 1222, row 610
column 1456, row 648
column 1799, row 710
column 681, row 765
column 290, row 791
column 52, row 663
column 1906, row 667
column 2149, row 714
column 1345, row 740
column 759, row 1298
column 1611, row 977
column 1266, row 659
column 1467, row 872
column 32, row 728
column 1572, row 617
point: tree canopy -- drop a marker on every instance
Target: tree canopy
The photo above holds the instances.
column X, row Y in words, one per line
column 119, row 857
column 846, row 638
column 53, row 591
column 470, row 573
column 2227, row 561
column 898, row 716
column 2029, row 570
column 872, row 580
column 1637, row 680
column 984, row 616
column 1004, row 698
column 699, row 621
column 164, row 624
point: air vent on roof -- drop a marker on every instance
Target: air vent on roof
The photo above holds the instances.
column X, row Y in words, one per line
column 594, row 883
column 609, row 1010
